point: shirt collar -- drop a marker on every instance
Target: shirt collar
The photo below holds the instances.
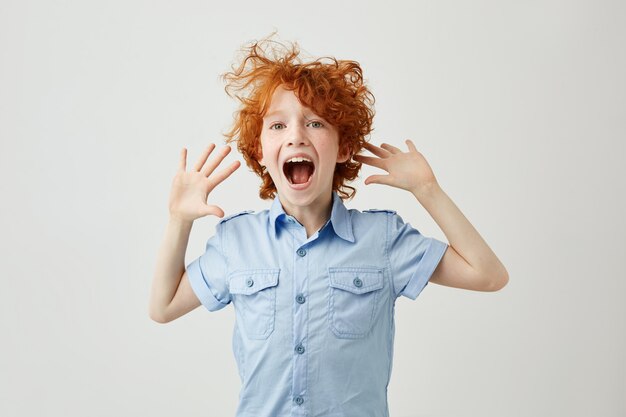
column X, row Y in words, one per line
column 340, row 219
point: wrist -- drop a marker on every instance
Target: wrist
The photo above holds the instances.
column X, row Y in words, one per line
column 426, row 190
column 178, row 221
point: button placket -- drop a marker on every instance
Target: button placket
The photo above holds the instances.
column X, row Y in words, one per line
column 300, row 319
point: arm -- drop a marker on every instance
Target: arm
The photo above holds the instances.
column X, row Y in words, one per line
column 171, row 295
column 468, row 262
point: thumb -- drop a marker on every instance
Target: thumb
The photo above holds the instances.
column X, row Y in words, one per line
column 214, row 210
column 377, row 179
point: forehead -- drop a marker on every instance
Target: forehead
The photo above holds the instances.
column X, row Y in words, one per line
column 285, row 101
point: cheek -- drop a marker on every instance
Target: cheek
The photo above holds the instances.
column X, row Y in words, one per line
column 262, row 151
column 331, row 151
column 259, row 157
column 267, row 154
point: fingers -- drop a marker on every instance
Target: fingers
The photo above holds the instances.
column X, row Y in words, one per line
column 225, row 173
column 375, row 162
column 208, row 170
column 182, row 163
column 411, row 145
column 207, row 151
column 385, row 149
column 390, row 148
column 381, row 153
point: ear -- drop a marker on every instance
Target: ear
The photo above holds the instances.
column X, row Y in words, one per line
column 344, row 154
column 259, row 156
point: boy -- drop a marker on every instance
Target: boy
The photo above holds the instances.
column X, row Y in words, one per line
column 313, row 283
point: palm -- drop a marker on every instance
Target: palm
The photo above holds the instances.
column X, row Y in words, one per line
column 407, row 170
column 190, row 190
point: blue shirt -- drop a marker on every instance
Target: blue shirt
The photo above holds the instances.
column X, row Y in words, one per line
column 314, row 325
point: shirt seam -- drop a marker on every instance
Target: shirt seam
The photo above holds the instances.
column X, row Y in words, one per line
column 388, row 256
column 392, row 289
column 222, row 234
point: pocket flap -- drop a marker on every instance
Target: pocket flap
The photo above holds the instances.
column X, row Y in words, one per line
column 357, row 280
column 251, row 281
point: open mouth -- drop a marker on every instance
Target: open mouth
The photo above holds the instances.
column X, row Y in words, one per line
column 298, row 170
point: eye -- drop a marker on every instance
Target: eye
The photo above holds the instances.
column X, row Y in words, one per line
column 277, row 126
column 316, row 124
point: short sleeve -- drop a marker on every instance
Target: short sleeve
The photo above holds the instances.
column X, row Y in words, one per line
column 412, row 256
column 207, row 274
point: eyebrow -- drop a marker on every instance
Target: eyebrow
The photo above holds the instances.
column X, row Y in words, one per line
column 307, row 116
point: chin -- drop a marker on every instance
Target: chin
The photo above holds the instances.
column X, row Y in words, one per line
column 302, row 198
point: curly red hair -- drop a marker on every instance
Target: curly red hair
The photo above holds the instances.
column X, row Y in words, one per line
column 333, row 89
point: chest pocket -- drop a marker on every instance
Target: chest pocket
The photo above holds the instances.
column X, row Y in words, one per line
column 254, row 296
column 354, row 293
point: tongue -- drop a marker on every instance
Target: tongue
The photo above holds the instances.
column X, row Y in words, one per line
column 300, row 173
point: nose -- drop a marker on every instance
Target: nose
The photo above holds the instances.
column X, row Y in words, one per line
column 298, row 137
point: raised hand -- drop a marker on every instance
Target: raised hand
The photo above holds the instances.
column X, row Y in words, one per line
column 406, row 170
column 190, row 190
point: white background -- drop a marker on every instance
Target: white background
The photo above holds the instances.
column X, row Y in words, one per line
column 519, row 107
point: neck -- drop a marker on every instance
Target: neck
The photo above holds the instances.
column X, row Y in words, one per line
column 312, row 216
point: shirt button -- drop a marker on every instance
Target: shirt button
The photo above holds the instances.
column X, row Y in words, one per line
column 301, row 252
column 249, row 282
column 357, row 282
column 300, row 299
column 299, row 349
column 298, row 400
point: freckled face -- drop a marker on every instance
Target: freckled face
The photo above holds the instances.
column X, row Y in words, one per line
column 300, row 151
